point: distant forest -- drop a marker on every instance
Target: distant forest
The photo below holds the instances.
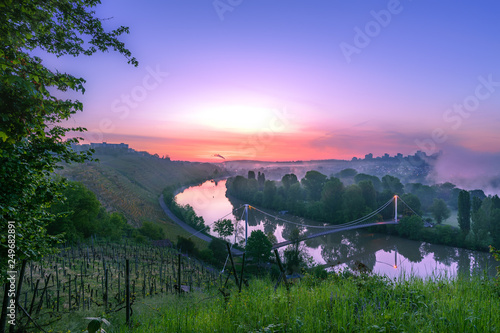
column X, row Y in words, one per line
column 349, row 195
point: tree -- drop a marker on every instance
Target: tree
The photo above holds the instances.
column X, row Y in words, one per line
column 269, row 193
column 495, row 226
column 251, row 174
column 476, row 204
column 374, row 179
column 76, row 217
column 295, row 254
column 288, row 180
column 410, row 226
column 152, row 230
column 219, row 250
column 224, row 227
column 186, row 245
column 313, row 182
column 439, row 210
column 369, row 193
column 348, row 173
column 261, row 179
column 464, row 211
column 392, row 184
column 412, row 201
column 331, row 197
column 353, row 203
column 31, row 136
column 480, row 227
column 258, row 246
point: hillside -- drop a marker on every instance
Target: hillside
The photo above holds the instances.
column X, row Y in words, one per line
column 131, row 183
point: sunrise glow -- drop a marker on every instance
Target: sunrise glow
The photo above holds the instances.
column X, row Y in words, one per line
column 295, row 81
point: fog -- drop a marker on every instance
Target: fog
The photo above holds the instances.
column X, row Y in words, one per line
column 467, row 169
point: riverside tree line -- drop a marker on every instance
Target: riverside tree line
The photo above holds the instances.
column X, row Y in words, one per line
column 349, row 195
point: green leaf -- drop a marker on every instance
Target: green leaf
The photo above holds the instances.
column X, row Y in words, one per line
column 94, row 326
column 3, row 136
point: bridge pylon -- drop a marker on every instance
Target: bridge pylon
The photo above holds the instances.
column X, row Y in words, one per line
column 396, row 208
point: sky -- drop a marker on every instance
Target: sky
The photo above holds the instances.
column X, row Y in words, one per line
column 296, row 79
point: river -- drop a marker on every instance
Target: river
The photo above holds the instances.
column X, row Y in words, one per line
column 389, row 255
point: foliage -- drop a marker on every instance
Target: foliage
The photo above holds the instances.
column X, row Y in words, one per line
column 219, row 250
column 296, row 258
column 185, row 213
column 410, row 227
column 464, row 211
column 377, row 184
column 95, row 325
column 77, row 215
column 186, row 245
column 331, row 197
column 496, row 254
column 31, row 134
column 392, row 184
column 81, row 216
column 152, row 231
column 224, row 227
column 313, row 183
column 412, row 201
column 288, row 180
column 439, row 210
column 258, row 246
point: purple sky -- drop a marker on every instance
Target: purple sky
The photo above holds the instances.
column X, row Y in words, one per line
column 290, row 80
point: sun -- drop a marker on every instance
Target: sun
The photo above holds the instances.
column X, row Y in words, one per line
column 235, row 118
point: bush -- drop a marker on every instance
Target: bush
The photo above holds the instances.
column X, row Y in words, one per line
column 219, row 250
column 152, row 231
column 186, row 245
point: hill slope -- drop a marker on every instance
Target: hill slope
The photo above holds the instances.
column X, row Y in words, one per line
column 132, row 183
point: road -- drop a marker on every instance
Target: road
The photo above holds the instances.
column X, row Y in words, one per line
column 188, row 228
column 182, row 224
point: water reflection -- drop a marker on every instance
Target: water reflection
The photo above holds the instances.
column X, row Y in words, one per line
column 381, row 253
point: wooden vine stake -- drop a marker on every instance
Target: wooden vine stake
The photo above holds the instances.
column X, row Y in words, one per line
column 283, row 274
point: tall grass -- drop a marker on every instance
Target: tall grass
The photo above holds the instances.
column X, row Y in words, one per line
column 341, row 303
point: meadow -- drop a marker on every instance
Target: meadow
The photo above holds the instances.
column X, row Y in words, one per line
column 343, row 302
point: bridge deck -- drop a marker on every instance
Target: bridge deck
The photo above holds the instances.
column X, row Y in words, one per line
column 331, row 231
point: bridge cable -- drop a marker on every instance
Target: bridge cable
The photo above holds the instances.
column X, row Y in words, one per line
column 409, row 207
column 362, row 219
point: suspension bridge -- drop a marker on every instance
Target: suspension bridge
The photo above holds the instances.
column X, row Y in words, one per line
column 363, row 222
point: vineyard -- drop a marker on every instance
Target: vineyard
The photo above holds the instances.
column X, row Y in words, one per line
column 131, row 184
column 93, row 277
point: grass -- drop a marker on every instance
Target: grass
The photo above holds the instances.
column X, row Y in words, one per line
column 453, row 219
column 341, row 303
